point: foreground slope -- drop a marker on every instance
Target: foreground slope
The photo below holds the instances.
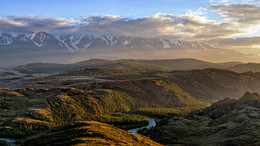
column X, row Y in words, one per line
column 88, row 133
column 227, row 122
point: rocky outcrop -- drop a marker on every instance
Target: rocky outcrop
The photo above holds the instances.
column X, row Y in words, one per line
column 220, row 108
column 227, row 122
column 251, row 99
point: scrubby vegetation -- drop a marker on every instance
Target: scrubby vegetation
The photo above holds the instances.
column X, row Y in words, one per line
column 162, row 112
column 30, row 111
column 30, row 127
column 62, row 106
column 88, row 133
column 18, row 132
column 227, row 122
column 123, row 121
column 3, row 142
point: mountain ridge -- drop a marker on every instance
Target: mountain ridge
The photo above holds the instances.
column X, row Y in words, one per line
column 167, row 64
column 80, row 41
column 21, row 48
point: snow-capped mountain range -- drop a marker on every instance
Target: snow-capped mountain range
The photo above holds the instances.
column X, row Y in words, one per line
column 21, row 48
column 87, row 41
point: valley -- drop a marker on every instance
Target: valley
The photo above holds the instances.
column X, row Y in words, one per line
column 130, row 73
column 45, row 100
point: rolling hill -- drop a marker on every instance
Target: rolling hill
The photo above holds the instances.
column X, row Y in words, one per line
column 254, row 67
column 170, row 64
column 214, row 84
column 31, row 110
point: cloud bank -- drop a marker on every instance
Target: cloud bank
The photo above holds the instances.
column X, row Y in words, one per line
column 16, row 23
column 235, row 20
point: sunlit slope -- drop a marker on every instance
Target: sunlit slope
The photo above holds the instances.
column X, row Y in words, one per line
column 45, row 108
column 88, row 133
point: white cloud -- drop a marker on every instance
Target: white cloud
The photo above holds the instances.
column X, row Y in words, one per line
column 16, row 23
column 238, row 20
column 224, row 1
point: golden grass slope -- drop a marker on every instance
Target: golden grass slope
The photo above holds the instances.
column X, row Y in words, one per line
column 89, row 133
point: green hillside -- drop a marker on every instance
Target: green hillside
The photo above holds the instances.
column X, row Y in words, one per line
column 39, row 109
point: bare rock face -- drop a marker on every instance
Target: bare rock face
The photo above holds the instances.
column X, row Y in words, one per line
column 226, row 105
column 220, row 108
column 252, row 99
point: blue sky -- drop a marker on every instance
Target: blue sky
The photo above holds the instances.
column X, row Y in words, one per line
column 77, row 8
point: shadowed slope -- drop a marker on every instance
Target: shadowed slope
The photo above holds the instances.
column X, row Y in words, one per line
column 227, row 122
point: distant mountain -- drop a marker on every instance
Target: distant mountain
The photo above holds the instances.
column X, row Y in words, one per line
column 254, row 67
column 42, row 68
column 77, row 42
column 215, row 84
column 83, row 42
column 32, row 40
column 187, row 64
column 146, row 65
column 22, row 48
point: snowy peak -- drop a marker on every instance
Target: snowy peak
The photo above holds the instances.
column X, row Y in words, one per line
column 32, row 40
column 40, row 38
column 109, row 39
column 86, row 41
column 166, row 44
column 76, row 42
column 6, row 39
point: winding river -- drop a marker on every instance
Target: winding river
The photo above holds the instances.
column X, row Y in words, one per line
column 151, row 124
column 11, row 142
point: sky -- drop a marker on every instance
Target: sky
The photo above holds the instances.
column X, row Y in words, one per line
column 83, row 8
column 231, row 24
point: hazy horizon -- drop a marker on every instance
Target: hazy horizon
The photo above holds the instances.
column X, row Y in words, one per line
column 231, row 25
